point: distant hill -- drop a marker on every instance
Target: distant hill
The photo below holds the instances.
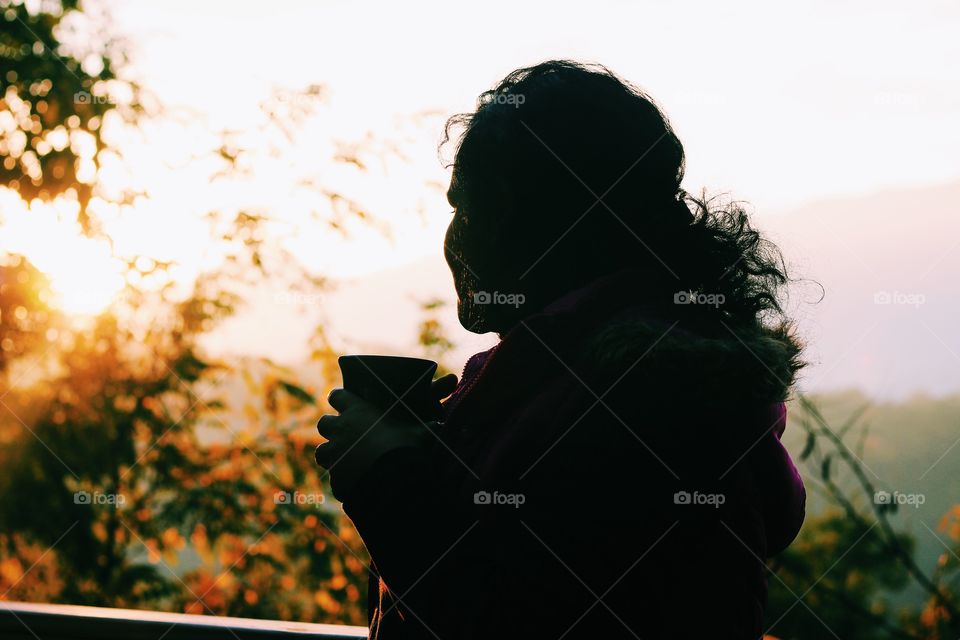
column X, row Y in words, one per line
column 889, row 264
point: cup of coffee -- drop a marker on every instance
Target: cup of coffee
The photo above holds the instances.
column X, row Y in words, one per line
column 401, row 386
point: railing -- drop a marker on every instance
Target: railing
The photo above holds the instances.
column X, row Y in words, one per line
column 27, row 621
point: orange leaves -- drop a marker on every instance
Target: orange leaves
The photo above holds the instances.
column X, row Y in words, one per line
column 209, row 472
column 246, row 440
column 933, row 614
column 226, row 472
column 199, row 537
column 124, row 403
column 99, row 531
column 326, row 602
column 950, row 522
column 271, row 545
column 354, row 565
column 217, row 450
column 11, row 571
column 234, row 551
column 208, row 593
column 283, row 471
column 353, row 594
column 172, row 539
column 154, row 406
column 231, row 556
column 153, row 551
column 30, row 573
column 348, row 535
column 165, row 548
column 201, row 544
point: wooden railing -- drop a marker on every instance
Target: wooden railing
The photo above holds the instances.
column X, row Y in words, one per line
column 27, row 621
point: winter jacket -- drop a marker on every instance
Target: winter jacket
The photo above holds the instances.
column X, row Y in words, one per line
column 610, row 469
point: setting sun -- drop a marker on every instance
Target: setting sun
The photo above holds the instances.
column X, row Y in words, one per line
column 84, row 276
column 85, row 281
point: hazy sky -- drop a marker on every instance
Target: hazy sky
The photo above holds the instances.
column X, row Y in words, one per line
column 779, row 104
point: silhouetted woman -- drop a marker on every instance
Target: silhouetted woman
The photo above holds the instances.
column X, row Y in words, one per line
column 612, row 467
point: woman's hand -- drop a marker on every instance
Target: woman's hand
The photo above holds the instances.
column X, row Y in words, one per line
column 362, row 433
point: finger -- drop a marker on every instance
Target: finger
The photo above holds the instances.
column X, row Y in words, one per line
column 326, row 455
column 340, row 399
column 327, row 426
column 443, row 386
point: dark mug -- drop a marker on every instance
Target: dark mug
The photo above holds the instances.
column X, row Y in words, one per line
column 400, row 386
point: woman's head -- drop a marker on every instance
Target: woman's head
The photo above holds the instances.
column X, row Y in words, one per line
column 565, row 173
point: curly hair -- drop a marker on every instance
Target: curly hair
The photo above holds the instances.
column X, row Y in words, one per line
column 564, row 146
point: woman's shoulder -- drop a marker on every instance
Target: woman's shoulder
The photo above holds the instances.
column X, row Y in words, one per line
column 707, row 357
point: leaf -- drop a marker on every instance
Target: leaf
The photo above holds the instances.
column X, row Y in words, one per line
column 825, row 468
column 808, row 446
column 298, row 392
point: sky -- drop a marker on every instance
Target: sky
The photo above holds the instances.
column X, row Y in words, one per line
column 781, row 105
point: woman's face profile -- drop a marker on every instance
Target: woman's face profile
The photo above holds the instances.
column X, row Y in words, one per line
column 474, row 258
column 466, row 282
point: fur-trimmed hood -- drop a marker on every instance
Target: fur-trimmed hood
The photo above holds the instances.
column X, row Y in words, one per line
column 718, row 364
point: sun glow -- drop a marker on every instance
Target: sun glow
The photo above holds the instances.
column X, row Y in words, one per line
column 85, row 280
column 84, row 275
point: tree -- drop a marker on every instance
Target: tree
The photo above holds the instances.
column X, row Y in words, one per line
column 122, row 466
column 137, row 471
column 56, row 96
column 25, row 312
